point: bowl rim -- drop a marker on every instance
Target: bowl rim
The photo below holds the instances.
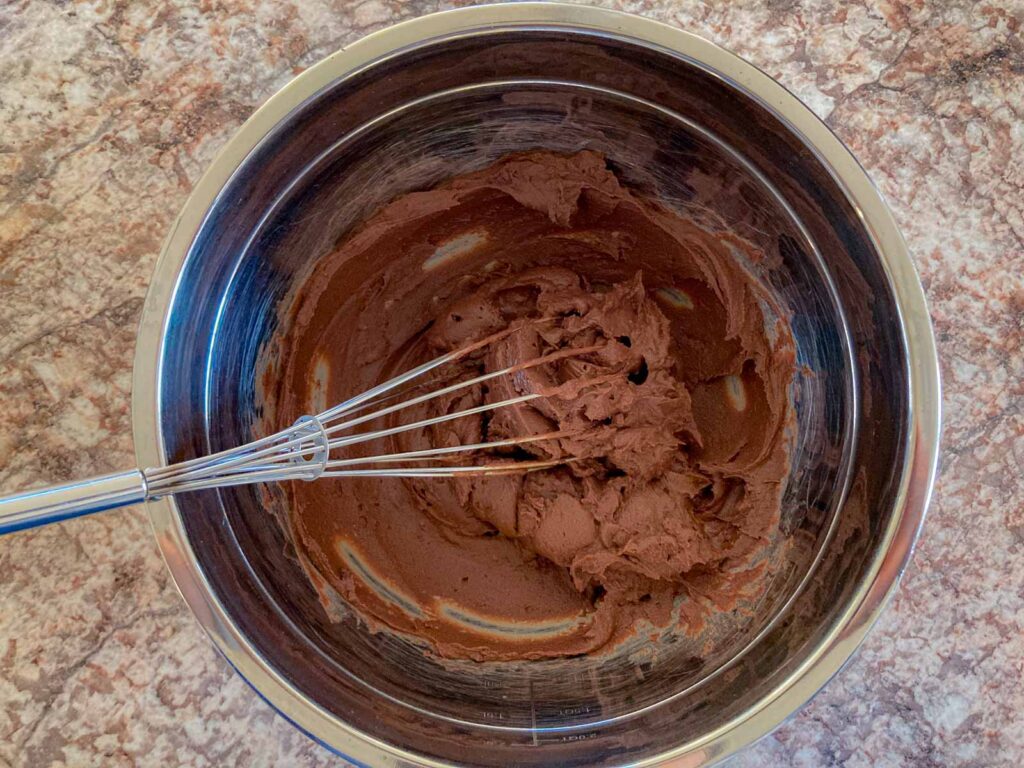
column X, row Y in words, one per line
column 921, row 454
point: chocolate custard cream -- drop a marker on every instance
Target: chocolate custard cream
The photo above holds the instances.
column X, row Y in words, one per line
column 664, row 395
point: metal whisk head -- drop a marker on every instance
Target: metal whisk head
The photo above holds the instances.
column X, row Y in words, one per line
column 304, row 450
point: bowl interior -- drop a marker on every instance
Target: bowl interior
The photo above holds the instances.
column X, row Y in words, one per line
column 670, row 129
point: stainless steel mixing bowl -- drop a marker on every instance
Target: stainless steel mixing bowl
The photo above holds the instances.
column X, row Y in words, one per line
column 678, row 118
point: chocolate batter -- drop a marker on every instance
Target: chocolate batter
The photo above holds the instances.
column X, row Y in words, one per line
column 669, row 407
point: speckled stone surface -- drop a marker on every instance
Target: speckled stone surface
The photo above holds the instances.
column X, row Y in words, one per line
column 110, row 110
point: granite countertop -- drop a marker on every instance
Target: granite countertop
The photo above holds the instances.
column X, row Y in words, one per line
column 110, row 111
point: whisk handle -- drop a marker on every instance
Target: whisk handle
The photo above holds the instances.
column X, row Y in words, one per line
column 41, row 506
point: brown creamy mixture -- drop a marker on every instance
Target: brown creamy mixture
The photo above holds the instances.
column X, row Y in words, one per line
column 674, row 417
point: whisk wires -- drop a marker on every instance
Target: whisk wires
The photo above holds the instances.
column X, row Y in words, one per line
column 303, row 451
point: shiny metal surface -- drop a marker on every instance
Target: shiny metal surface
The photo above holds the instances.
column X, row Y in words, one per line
column 42, row 506
column 677, row 117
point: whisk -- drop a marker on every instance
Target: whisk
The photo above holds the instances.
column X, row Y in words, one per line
column 303, row 451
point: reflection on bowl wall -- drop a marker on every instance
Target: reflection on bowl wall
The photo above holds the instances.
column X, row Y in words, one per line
column 457, row 93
